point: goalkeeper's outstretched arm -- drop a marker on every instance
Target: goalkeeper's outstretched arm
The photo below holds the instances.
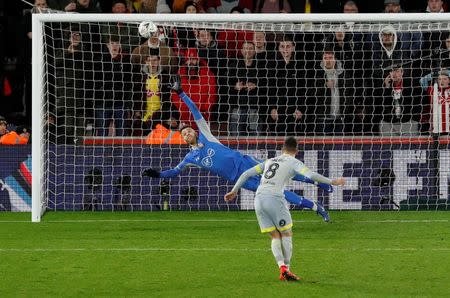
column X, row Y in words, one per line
column 172, row 173
column 199, row 120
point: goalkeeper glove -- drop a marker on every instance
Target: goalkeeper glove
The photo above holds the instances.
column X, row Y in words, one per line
column 151, row 173
column 175, row 85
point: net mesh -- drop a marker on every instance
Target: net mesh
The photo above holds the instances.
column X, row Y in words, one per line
column 367, row 101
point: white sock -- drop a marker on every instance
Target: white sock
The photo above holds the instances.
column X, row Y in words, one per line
column 277, row 251
column 286, row 244
column 314, row 206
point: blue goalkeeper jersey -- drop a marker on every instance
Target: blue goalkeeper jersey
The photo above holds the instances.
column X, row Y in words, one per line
column 210, row 154
column 217, row 158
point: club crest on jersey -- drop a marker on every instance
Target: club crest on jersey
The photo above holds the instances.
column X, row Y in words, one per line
column 207, row 161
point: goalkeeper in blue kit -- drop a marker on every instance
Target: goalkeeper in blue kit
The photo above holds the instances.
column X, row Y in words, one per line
column 209, row 154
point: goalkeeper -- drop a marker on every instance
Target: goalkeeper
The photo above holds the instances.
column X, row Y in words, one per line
column 209, row 154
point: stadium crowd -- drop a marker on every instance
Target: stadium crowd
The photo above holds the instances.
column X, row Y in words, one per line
column 106, row 80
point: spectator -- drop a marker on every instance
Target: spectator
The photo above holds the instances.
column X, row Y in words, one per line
column 190, row 7
column 74, row 85
column 392, row 6
column 66, row 5
column 3, row 125
column 119, row 6
column 153, row 6
column 92, row 30
column 113, row 89
column 19, row 136
column 264, row 49
column 380, row 56
column 199, row 84
column 209, row 51
column 444, row 52
column 128, row 32
column 165, row 133
column 246, row 98
column 182, row 38
column 387, row 49
column 398, row 104
column 180, row 6
column 156, row 41
column 231, row 40
column 228, row 6
column 435, row 6
column 435, row 114
column 286, row 103
column 272, row 6
column 82, row 6
column 152, row 103
column 40, row 6
column 350, row 7
column 163, row 6
column 265, row 60
column 314, row 6
column 328, row 106
column 348, row 48
column 411, row 41
column 134, row 6
column 434, row 50
column 215, row 57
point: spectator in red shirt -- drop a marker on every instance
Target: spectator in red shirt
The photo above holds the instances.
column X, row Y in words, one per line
column 199, row 84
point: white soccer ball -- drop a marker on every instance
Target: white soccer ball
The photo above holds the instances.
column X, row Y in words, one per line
column 146, row 29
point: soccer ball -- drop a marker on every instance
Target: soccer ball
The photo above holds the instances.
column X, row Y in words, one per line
column 146, row 29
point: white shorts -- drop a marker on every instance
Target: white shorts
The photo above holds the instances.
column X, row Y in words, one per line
column 272, row 213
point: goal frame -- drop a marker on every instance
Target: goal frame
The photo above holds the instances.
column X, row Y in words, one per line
column 38, row 67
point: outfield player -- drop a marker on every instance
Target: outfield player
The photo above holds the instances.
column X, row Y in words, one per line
column 271, row 211
column 209, row 154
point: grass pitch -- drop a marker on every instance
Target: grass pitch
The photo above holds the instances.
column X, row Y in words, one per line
column 222, row 254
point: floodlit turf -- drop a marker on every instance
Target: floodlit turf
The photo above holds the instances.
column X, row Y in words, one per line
column 212, row 254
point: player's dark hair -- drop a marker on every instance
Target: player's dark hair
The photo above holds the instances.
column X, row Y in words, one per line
column 184, row 127
column 290, row 144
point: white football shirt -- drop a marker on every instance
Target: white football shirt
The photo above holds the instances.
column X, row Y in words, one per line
column 277, row 172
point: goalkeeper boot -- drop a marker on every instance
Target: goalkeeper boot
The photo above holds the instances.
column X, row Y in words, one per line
column 326, row 187
column 322, row 212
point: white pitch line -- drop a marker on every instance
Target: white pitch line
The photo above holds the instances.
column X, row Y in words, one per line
column 225, row 220
column 219, row 249
column 404, row 221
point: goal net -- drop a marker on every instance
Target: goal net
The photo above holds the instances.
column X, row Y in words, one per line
column 365, row 95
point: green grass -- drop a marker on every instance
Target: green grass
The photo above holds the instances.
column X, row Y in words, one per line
column 219, row 254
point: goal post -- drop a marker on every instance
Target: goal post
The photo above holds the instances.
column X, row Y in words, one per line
column 38, row 68
column 64, row 172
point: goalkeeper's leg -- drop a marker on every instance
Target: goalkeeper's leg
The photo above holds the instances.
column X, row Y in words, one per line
column 294, row 198
column 327, row 187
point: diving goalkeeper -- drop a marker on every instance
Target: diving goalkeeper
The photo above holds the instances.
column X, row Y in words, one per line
column 209, row 154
